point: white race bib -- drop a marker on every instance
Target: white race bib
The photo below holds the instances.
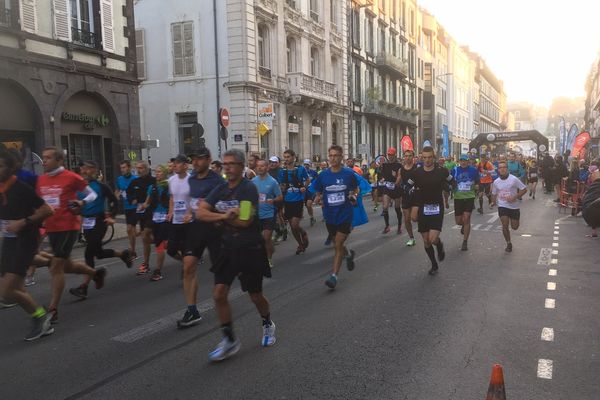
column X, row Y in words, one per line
column 532, row 175
column 464, row 186
column 124, row 195
column 3, row 231
column 194, row 204
column 390, row 185
column 139, row 209
column 262, row 197
column 159, row 217
column 179, row 210
column 89, row 222
column 431, row 209
column 335, row 199
column 52, row 200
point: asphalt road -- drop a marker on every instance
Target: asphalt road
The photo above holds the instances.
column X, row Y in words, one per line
column 389, row 331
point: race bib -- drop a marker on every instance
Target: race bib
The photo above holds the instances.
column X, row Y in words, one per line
column 431, row 209
column 159, row 217
column 390, row 185
column 139, row 209
column 293, row 190
column 464, row 186
column 194, row 204
column 52, row 201
column 89, row 222
column 533, row 175
column 124, row 195
column 179, row 210
column 224, row 205
column 335, row 199
column 262, row 197
column 505, row 195
column 3, row 229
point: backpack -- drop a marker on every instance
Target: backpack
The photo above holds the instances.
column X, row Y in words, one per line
column 295, row 181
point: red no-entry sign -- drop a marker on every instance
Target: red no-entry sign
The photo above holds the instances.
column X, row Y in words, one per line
column 224, row 117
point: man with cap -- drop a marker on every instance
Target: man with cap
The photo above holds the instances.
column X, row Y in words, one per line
column 137, row 192
column 308, row 196
column 465, row 183
column 392, row 191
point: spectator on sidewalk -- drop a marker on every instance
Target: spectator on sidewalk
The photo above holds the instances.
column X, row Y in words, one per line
column 591, row 200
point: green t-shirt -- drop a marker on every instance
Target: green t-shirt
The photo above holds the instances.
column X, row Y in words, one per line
column 449, row 165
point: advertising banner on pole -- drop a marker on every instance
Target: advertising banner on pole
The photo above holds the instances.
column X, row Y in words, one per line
column 580, row 141
column 446, row 141
column 573, row 132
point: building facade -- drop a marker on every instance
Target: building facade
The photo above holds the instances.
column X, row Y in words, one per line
column 68, row 79
column 592, row 107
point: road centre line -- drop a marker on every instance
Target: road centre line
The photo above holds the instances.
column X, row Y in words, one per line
column 554, row 244
column 552, row 272
column 554, row 252
column 547, row 335
column 544, row 369
column 550, row 303
column 551, row 286
column 556, row 232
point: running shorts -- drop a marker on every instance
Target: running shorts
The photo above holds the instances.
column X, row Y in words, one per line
column 485, row 188
column 409, row 201
column 267, row 224
column 62, row 243
column 249, row 265
column 344, row 227
column 463, row 205
column 509, row 212
column 293, row 209
column 16, row 255
column 431, row 222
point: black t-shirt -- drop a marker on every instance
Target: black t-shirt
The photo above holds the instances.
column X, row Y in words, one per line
column 138, row 189
column 408, row 178
column 591, row 195
column 22, row 201
column 389, row 171
column 223, row 198
column 430, row 184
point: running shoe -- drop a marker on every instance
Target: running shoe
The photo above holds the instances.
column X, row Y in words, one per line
column 271, row 263
column 433, row 270
column 268, row 338
column 386, row 230
column 30, row 280
column 331, row 282
column 127, row 258
column 300, row 249
column 284, row 234
column 411, row 242
column 156, row 276
column 508, row 248
column 399, row 231
column 79, row 291
column 441, row 252
column 375, row 209
column 99, row 277
column 189, row 319
column 350, row 260
column 40, row 326
column 225, row 349
column 53, row 315
column 480, row 210
column 462, row 229
column 313, row 221
column 328, row 241
column 143, row 269
column 464, row 246
column 6, row 304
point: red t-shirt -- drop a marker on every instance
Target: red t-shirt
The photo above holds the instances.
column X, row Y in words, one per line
column 57, row 191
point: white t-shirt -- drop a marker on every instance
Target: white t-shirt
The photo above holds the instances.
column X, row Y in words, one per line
column 179, row 189
column 505, row 188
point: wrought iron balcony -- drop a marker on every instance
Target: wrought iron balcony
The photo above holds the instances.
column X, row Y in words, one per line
column 311, row 87
column 391, row 111
column 392, row 65
column 85, row 38
column 6, row 18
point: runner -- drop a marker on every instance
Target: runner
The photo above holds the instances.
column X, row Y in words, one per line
column 374, row 181
column 430, row 182
column 486, row 172
column 466, row 180
column 95, row 221
column 131, row 219
column 392, row 190
column 339, row 188
column 250, row 171
column 507, row 189
column 243, row 255
column 157, row 202
column 308, row 196
column 281, row 231
column 58, row 187
column 180, row 211
column 269, row 193
column 532, row 178
column 293, row 180
column 21, row 212
column 201, row 235
column 410, row 204
column 137, row 192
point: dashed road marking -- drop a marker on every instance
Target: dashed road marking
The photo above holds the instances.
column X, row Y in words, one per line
column 554, row 244
column 555, row 238
column 544, row 370
column 552, row 272
column 550, row 303
column 554, row 252
column 493, row 219
column 547, row 335
column 551, row 286
column 556, row 232
column 554, row 261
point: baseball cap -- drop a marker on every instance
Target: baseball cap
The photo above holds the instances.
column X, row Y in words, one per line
column 274, row 159
column 391, row 151
column 306, row 161
column 464, row 157
column 180, row 159
column 90, row 163
column 201, row 152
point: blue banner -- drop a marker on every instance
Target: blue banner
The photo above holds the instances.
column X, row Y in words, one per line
column 446, row 141
column 573, row 132
column 562, row 136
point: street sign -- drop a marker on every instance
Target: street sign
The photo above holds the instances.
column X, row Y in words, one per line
column 224, row 117
column 238, row 138
column 132, row 155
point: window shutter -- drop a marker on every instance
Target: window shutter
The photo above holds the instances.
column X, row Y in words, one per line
column 106, row 20
column 188, row 46
column 29, row 16
column 62, row 21
column 177, row 36
column 140, row 51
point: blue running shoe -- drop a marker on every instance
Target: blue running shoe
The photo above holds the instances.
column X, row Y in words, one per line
column 268, row 338
column 225, row 349
column 331, row 282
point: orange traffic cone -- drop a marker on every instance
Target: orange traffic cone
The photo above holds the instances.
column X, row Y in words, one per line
column 496, row 389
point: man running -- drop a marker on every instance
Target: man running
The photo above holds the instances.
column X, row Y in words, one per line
column 137, row 192
column 58, row 187
column 431, row 181
column 233, row 205
column 21, row 213
column 309, row 197
column 390, row 174
column 200, row 235
column 532, row 178
column 157, row 203
column 339, row 187
column 281, row 231
column 95, row 221
column 131, row 219
column 466, row 179
column 507, row 190
column 410, row 204
column 293, row 180
column 486, row 172
column 269, row 193
column 250, row 171
column 180, row 211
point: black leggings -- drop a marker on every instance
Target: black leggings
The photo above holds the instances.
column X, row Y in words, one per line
column 94, row 237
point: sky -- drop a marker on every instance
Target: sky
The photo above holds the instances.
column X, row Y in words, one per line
column 541, row 49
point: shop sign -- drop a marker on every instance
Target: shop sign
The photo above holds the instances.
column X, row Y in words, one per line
column 266, row 114
column 316, row 130
column 89, row 121
column 293, row 128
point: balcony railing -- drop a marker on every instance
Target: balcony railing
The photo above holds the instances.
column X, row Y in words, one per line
column 310, row 86
column 393, row 65
column 391, row 111
column 6, row 18
column 85, row 38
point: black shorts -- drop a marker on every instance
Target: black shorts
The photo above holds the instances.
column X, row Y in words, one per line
column 309, row 196
column 532, row 180
column 431, row 222
column 267, row 224
column 409, row 201
column 201, row 236
column 344, row 227
column 160, row 232
column 509, row 212
column 177, row 238
column 293, row 209
column 393, row 193
column 249, row 265
column 463, row 205
column 62, row 243
column 16, row 254
column 380, row 191
column 485, row 188
column 132, row 217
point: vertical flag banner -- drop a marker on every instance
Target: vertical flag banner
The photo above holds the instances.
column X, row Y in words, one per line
column 562, row 136
column 446, row 140
column 573, row 131
column 579, row 144
column 406, row 143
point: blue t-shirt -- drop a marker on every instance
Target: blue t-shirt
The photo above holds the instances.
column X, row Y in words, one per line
column 268, row 189
column 97, row 206
column 312, row 173
column 335, row 187
column 123, row 183
column 466, row 179
column 293, row 180
column 515, row 168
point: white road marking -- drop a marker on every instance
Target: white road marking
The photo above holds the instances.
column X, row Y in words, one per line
column 544, row 258
column 493, row 219
column 554, row 252
column 544, row 369
column 555, row 244
column 476, row 227
column 556, row 232
column 555, row 238
column 451, row 212
column 550, row 303
column 554, row 261
column 547, row 335
column 487, row 228
column 551, row 286
column 552, row 272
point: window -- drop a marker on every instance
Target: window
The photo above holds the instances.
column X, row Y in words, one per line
column 382, row 40
column 315, row 62
column 370, row 46
column 335, row 75
column 356, row 28
column 314, row 10
column 333, row 14
column 5, row 13
column 291, row 54
column 357, row 79
column 183, row 48
column 383, row 87
column 140, row 53
column 393, row 46
column 264, row 56
column 292, row 4
column 82, row 23
column 189, row 136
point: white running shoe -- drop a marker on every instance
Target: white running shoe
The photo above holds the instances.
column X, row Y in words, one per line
column 225, row 349
column 268, row 338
